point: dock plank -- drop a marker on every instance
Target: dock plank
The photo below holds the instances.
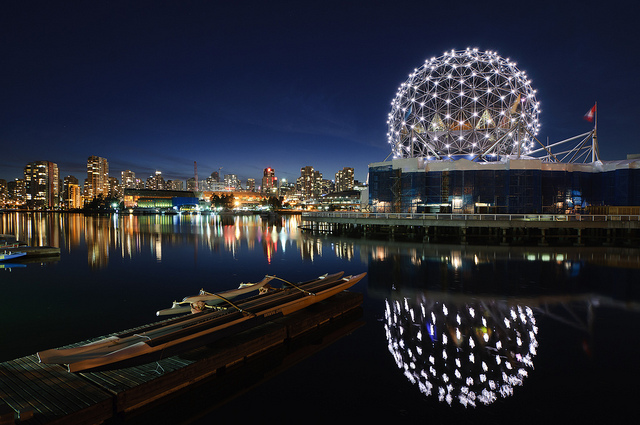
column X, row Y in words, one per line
column 50, row 393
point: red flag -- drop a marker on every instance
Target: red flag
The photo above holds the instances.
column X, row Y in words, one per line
column 590, row 114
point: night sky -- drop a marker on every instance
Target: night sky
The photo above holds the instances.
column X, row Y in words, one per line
column 249, row 85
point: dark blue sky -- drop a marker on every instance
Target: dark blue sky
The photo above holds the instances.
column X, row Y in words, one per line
column 246, row 85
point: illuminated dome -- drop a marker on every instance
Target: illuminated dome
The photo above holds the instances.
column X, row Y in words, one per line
column 472, row 352
column 466, row 102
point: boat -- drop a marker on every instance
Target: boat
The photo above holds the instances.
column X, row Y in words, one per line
column 169, row 337
column 11, row 255
column 205, row 300
column 9, row 266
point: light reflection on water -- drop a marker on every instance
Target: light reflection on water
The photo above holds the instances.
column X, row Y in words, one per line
column 460, row 325
column 472, row 351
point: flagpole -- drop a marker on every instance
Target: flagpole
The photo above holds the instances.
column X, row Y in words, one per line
column 594, row 139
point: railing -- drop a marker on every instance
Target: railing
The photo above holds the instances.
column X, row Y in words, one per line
column 473, row 217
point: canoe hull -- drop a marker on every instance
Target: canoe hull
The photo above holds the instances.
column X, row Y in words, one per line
column 189, row 332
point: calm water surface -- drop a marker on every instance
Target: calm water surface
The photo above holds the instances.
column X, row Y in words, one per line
column 448, row 334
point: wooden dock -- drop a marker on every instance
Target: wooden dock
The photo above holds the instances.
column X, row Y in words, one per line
column 35, row 393
column 481, row 229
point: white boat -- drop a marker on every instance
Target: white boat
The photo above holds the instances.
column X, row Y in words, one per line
column 166, row 338
column 206, row 299
column 11, row 255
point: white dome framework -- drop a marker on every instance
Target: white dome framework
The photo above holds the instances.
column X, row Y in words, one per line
column 466, row 102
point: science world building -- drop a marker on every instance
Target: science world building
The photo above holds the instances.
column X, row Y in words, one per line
column 463, row 134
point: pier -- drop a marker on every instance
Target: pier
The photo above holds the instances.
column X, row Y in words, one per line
column 35, row 393
column 503, row 229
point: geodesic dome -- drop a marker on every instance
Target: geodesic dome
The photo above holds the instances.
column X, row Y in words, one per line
column 466, row 102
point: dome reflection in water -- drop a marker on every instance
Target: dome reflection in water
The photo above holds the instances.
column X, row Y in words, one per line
column 461, row 348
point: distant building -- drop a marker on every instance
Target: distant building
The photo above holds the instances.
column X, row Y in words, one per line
column 115, row 189
column 97, row 182
column 156, row 182
column 309, row 183
column 231, row 181
column 16, row 191
column 128, row 179
column 251, row 185
column 344, row 179
column 191, row 184
column 3, row 192
column 269, row 182
column 42, row 185
column 68, row 183
column 174, row 185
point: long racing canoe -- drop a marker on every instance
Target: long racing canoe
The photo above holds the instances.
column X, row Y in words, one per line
column 169, row 337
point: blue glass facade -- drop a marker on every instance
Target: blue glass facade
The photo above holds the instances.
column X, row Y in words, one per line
column 507, row 190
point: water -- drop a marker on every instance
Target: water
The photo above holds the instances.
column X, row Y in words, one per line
column 448, row 334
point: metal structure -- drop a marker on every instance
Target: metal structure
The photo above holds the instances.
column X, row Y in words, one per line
column 466, row 102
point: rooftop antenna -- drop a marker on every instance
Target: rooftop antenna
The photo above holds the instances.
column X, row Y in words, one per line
column 195, row 171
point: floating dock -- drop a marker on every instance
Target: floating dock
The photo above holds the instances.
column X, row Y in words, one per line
column 36, row 251
column 36, row 393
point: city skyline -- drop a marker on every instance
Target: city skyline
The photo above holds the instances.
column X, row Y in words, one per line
column 251, row 85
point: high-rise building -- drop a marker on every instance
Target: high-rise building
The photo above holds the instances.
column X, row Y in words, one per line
column 71, row 193
column 128, row 179
column 4, row 196
column 269, row 182
column 309, row 182
column 344, row 179
column 67, row 183
column 156, row 182
column 16, row 192
column 231, row 181
column 251, row 185
column 191, row 184
column 42, row 187
column 97, row 182
column 115, row 190
column 174, row 185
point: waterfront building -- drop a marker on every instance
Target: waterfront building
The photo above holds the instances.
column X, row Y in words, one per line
column 16, row 192
column 42, row 186
column 348, row 200
column 97, row 183
column 148, row 199
column 74, row 196
column 344, row 179
column 270, row 182
column 480, row 153
column 241, row 199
